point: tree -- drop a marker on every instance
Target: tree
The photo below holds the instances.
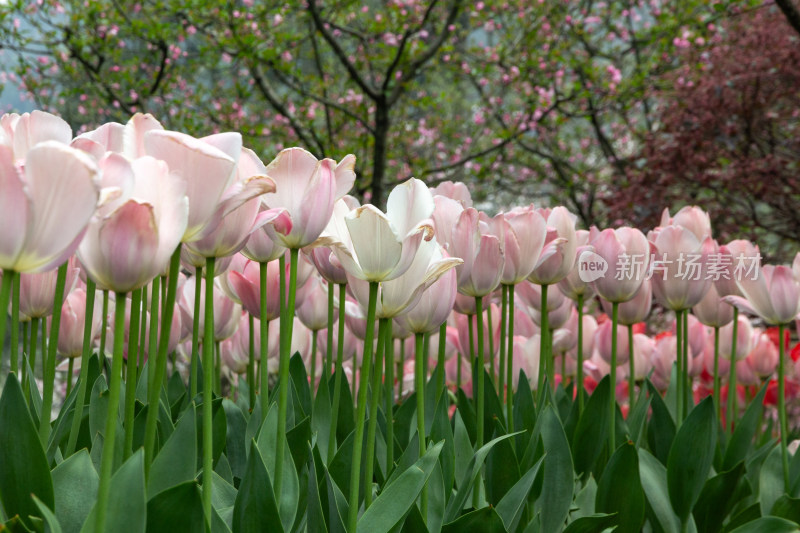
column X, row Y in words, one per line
column 547, row 101
column 728, row 135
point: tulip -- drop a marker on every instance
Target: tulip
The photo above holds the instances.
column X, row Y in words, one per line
column 455, row 191
column 525, row 358
column 692, row 218
column 37, row 291
column 625, row 250
column 307, row 189
column 70, row 339
column 21, row 133
column 763, row 358
column 127, row 140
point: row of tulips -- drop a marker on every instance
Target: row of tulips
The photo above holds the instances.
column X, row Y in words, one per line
column 151, row 248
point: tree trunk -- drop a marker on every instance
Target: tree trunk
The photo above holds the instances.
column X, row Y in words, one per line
column 379, row 152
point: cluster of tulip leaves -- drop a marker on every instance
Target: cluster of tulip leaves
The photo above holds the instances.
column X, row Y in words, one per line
column 554, row 474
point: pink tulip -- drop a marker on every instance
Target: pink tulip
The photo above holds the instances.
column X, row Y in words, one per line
column 45, row 205
column 679, row 267
column 524, row 231
column 572, row 285
column 525, row 357
column 643, row 347
column 745, row 375
column 712, row 310
column 73, row 313
column 626, row 251
column 351, row 343
column 20, row 133
column 602, row 341
column 434, row 305
column 556, row 317
column 763, row 358
column 774, row 294
column 462, row 322
column 192, row 261
column 529, row 295
column 589, row 328
column 482, row 253
column 37, row 291
column 636, row 309
column 313, row 313
column 692, row 218
column 736, row 259
column 235, row 351
column 307, row 189
column 227, row 313
column 455, row 191
column 127, row 140
column 129, row 241
column 560, row 247
column 744, row 339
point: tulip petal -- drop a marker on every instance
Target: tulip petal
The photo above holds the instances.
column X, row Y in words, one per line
column 39, row 127
column 345, row 175
column 15, row 210
column 375, row 242
column 61, row 185
column 409, row 203
column 128, row 240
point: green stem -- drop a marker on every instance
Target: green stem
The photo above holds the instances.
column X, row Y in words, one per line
column 26, row 349
column 337, row 382
column 314, row 362
column 208, row 384
column 143, row 334
column 101, row 356
column 157, row 361
column 107, row 460
column 361, row 409
column 503, row 321
column 198, row 287
column 14, row 322
column 439, row 363
column 731, row 414
column 717, row 396
column 152, row 343
column 612, row 406
column 372, row 423
column 251, row 361
column 419, row 388
column 217, row 369
column 480, row 392
column 49, row 374
column 31, row 356
column 84, row 375
column 426, row 339
column 389, row 354
column 263, row 347
column 329, row 347
column 679, row 360
column 130, row 384
column 401, row 364
column 510, row 363
column 631, row 368
column 283, row 368
column 5, row 295
column 689, row 397
column 490, row 330
column 544, row 355
column 70, row 370
column 782, row 406
column 579, row 369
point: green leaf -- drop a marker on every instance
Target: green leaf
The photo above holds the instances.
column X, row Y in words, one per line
column 485, row 520
column 442, row 430
column 690, row 458
column 314, row 514
column 75, row 483
column 787, row 507
column 596, row 523
column 297, row 371
column 51, row 522
column 23, row 466
column 255, row 509
column 524, row 411
column 178, row 509
column 235, row 441
column 337, row 506
column 470, row 473
column 554, row 502
column 462, row 446
column 592, row 429
column 127, row 505
column 770, row 481
column 772, row 524
column 717, row 499
column 176, row 462
column 512, row 505
column 653, row 475
column 638, row 417
column 619, row 490
column 661, row 429
column 502, row 470
column 394, row 502
column 321, row 417
column 742, row 438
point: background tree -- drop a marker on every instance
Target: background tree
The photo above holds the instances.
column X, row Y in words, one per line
column 728, row 136
column 546, row 101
